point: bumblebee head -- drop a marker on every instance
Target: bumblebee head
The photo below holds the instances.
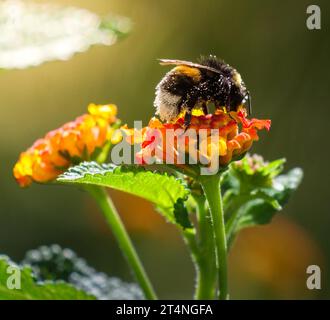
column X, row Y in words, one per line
column 239, row 84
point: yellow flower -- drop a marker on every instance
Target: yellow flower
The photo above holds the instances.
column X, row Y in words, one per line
column 70, row 144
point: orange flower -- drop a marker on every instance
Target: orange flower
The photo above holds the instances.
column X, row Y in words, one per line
column 226, row 136
column 72, row 143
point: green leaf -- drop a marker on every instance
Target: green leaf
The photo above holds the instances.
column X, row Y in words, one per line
column 257, row 212
column 267, row 195
column 159, row 188
column 56, row 263
column 285, row 184
column 32, row 290
column 254, row 192
column 181, row 214
column 33, row 33
column 273, row 168
column 262, row 204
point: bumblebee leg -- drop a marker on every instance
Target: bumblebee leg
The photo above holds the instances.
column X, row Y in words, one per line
column 228, row 107
column 228, row 104
column 205, row 108
column 190, row 103
column 187, row 119
column 187, row 116
column 249, row 103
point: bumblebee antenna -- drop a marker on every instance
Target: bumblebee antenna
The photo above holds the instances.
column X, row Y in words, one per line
column 249, row 102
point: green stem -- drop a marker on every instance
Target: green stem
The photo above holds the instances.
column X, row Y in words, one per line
column 206, row 264
column 211, row 187
column 123, row 239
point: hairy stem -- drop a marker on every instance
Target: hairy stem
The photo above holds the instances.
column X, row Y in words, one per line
column 211, row 187
column 123, row 239
column 206, row 265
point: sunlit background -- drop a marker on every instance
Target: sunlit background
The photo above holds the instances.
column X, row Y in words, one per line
column 286, row 67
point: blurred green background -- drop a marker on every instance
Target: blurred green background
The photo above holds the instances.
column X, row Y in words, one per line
column 286, row 67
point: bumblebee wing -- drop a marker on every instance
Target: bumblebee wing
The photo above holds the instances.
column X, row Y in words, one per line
column 165, row 62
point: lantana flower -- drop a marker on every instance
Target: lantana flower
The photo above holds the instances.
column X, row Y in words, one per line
column 221, row 136
column 76, row 141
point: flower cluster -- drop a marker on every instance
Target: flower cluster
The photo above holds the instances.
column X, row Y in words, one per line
column 226, row 136
column 68, row 145
column 254, row 171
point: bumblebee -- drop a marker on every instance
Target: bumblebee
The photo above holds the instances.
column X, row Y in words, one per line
column 194, row 85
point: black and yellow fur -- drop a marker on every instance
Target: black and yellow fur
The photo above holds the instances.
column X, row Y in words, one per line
column 190, row 84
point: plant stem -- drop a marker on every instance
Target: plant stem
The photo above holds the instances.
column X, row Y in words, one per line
column 206, row 264
column 211, row 187
column 123, row 239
